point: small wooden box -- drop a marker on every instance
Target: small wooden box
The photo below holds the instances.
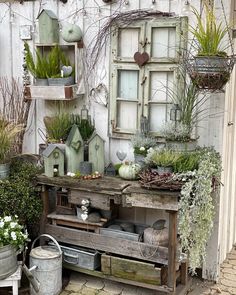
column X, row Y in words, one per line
column 131, row 269
column 62, row 204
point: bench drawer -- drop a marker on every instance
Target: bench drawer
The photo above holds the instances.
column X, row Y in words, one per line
column 131, row 269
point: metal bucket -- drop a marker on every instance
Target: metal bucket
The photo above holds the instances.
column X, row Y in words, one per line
column 8, row 261
column 47, row 261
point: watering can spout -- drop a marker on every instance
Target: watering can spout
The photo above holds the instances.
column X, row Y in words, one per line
column 34, row 282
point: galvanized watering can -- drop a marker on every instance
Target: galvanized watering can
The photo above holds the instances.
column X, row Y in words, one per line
column 45, row 272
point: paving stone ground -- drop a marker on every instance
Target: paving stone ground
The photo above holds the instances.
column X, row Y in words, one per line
column 82, row 284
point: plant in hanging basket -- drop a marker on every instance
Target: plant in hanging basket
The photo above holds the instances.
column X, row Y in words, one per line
column 211, row 67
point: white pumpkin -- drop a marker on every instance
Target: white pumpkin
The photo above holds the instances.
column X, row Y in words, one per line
column 71, row 33
column 129, row 171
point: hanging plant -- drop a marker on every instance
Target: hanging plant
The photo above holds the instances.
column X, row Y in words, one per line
column 211, row 67
column 197, row 206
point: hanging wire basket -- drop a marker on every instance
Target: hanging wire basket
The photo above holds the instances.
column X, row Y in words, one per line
column 210, row 72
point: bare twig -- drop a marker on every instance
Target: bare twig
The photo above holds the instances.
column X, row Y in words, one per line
column 14, row 108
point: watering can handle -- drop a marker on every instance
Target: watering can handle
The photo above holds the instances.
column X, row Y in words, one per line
column 51, row 238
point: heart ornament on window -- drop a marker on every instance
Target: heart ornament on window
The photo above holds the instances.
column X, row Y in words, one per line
column 67, row 70
column 141, row 58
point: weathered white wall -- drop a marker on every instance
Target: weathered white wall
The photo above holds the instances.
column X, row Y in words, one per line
column 90, row 15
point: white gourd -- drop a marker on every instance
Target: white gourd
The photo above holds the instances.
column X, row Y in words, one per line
column 129, row 171
column 71, row 33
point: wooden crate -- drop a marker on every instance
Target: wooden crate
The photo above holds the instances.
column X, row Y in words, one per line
column 62, row 204
column 131, row 269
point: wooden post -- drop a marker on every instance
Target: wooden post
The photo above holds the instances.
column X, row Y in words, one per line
column 171, row 281
column 184, row 273
column 44, row 197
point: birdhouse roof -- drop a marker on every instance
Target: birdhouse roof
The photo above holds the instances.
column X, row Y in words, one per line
column 110, row 166
column 51, row 148
column 50, row 13
column 94, row 135
column 71, row 134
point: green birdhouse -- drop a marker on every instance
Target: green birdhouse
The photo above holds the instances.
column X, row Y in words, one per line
column 53, row 161
column 48, row 27
column 74, row 150
column 96, row 152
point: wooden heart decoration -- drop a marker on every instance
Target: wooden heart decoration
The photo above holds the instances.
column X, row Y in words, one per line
column 76, row 145
column 141, row 58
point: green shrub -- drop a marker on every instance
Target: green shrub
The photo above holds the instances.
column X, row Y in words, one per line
column 18, row 195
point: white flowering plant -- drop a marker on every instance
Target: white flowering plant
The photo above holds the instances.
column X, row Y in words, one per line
column 179, row 132
column 12, row 233
column 142, row 143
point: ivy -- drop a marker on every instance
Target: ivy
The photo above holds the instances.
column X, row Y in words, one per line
column 197, row 206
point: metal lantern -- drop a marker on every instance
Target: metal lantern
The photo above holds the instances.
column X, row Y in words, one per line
column 144, row 125
column 175, row 113
column 84, row 113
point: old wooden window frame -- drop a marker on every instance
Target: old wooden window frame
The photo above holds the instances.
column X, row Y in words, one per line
column 155, row 64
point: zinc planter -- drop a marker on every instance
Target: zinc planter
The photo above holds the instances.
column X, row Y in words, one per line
column 139, row 159
column 4, row 170
column 179, row 146
column 8, row 261
column 41, row 82
column 163, row 170
column 61, row 81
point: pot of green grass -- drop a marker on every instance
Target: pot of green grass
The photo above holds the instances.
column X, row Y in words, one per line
column 8, row 132
column 38, row 68
column 58, row 127
column 60, row 71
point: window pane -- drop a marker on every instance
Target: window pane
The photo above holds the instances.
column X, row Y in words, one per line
column 128, row 42
column 127, row 115
column 163, row 42
column 128, row 84
column 161, row 86
column 159, row 114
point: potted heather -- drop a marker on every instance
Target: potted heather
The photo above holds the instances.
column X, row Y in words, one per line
column 162, row 160
column 141, row 144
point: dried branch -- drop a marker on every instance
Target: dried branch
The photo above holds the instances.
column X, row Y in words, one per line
column 14, row 108
column 120, row 19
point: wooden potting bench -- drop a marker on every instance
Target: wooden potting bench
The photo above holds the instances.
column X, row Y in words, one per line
column 103, row 193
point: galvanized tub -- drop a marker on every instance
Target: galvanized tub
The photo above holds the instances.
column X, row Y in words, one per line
column 8, row 261
column 48, row 271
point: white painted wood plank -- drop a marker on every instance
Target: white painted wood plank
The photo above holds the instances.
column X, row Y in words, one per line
column 53, row 92
column 5, row 37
